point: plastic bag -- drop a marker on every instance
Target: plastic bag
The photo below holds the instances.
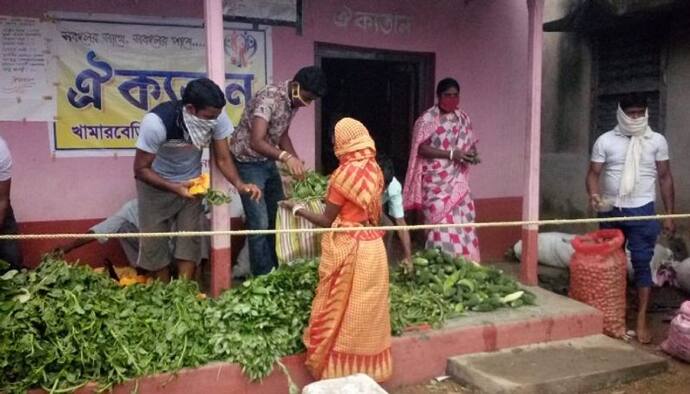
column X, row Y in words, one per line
column 353, row 384
column 242, row 269
column 682, row 270
column 554, row 249
column 598, row 276
column 294, row 246
column 677, row 343
column 285, row 177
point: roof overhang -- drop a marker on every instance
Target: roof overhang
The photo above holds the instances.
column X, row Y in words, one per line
column 591, row 16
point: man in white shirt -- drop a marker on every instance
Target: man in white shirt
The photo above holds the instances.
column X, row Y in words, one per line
column 392, row 199
column 9, row 250
column 631, row 158
column 125, row 220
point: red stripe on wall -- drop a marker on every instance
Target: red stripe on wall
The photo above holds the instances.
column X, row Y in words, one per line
column 92, row 254
column 494, row 242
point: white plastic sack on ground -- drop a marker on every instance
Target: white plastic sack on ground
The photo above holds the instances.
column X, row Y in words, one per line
column 555, row 249
column 353, row 384
column 241, row 269
column 682, row 269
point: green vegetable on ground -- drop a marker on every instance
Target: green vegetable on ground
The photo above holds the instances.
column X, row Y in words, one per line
column 62, row 326
column 442, row 287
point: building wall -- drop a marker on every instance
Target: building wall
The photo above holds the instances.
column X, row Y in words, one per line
column 481, row 43
column 565, row 118
column 677, row 78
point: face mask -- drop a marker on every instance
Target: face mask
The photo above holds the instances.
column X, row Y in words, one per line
column 199, row 130
column 449, row 104
column 632, row 126
column 296, row 96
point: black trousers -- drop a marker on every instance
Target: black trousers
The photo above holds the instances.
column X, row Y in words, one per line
column 9, row 249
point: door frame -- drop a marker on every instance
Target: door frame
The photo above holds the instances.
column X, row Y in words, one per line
column 426, row 66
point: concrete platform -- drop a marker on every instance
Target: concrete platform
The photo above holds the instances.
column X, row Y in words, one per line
column 421, row 356
column 572, row 366
column 417, row 356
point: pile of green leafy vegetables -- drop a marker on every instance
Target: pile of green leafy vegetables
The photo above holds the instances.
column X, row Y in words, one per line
column 442, row 287
column 63, row 326
column 313, row 186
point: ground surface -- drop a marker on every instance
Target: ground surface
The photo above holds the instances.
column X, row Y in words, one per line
column 676, row 380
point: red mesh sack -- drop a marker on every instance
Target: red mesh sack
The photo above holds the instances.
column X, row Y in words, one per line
column 598, row 276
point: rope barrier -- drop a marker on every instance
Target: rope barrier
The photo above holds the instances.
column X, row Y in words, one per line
column 548, row 222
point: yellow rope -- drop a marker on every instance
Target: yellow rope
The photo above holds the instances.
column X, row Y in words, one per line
column 550, row 222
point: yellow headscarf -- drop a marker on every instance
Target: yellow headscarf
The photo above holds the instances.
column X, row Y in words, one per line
column 350, row 136
column 359, row 177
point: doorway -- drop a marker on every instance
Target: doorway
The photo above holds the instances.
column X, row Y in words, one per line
column 385, row 90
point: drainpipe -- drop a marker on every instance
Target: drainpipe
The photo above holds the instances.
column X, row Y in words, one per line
column 530, row 198
column 220, row 215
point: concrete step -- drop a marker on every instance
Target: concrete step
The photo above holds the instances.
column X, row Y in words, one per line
column 423, row 355
column 571, row 366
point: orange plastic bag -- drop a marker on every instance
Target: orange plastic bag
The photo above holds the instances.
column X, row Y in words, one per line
column 598, row 276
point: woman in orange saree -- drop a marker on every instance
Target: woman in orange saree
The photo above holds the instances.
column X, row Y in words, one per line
column 349, row 328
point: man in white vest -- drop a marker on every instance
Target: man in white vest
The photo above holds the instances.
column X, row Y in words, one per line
column 629, row 160
column 10, row 252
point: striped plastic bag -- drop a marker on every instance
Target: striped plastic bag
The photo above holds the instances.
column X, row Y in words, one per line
column 285, row 177
column 293, row 246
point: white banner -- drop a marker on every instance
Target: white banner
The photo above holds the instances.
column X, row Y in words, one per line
column 27, row 75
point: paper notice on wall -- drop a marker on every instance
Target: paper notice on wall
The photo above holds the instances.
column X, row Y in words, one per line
column 267, row 11
column 26, row 73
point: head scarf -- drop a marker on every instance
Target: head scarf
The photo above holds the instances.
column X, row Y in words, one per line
column 637, row 130
column 358, row 177
column 351, row 136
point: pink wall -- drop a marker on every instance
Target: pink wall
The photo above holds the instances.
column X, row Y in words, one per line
column 481, row 43
column 46, row 188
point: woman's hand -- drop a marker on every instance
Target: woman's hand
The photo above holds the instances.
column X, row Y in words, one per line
column 291, row 206
column 407, row 266
column 462, row 157
column 473, row 157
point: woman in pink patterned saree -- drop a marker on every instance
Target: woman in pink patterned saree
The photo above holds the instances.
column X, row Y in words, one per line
column 443, row 148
